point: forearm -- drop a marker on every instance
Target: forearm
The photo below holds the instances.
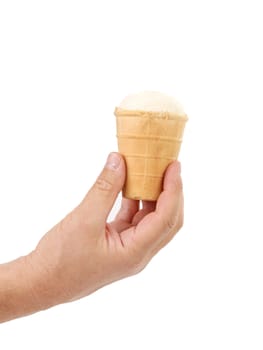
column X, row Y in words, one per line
column 17, row 297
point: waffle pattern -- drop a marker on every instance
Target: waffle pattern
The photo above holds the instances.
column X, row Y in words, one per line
column 149, row 141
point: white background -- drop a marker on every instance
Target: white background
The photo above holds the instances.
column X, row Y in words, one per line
column 64, row 66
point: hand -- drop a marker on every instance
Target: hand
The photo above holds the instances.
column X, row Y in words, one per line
column 84, row 252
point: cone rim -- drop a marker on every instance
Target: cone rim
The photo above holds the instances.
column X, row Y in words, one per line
column 121, row 112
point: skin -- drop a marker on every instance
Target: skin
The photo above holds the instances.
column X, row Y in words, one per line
column 83, row 252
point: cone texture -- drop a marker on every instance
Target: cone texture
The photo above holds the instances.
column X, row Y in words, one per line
column 149, row 142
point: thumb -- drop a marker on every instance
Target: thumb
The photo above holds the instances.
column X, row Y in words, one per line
column 102, row 195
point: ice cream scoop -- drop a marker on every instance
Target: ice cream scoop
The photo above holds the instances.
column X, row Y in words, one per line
column 152, row 101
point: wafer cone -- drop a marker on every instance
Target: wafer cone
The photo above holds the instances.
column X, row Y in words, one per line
column 149, row 141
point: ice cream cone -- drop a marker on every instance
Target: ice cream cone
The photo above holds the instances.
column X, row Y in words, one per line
column 149, row 142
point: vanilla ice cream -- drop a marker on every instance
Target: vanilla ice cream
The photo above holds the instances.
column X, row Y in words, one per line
column 152, row 101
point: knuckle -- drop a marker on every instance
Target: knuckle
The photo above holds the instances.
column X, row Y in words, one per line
column 179, row 184
column 68, row 222
column 103, row 184
column 170, row 222
column 136, row 263
column 180, row 222
column 136, row 267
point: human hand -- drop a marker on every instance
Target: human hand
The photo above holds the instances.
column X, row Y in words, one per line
column 83, row 252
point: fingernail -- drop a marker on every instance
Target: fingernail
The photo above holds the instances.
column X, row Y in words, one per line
column 113, row 161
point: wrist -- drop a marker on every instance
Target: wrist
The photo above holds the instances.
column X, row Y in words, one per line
column 43, row 281
column 16, row 289
column 26, row 286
